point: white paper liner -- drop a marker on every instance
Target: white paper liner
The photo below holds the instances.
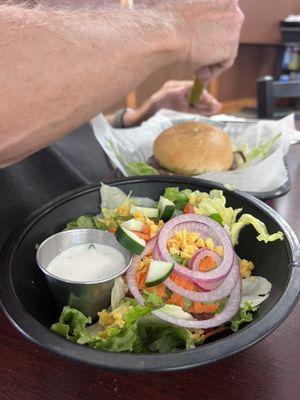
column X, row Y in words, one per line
column 135, row 145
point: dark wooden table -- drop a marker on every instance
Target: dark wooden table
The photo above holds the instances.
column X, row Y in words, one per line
column 269, row 370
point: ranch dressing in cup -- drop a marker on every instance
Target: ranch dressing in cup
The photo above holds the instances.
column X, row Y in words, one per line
column 87, row 262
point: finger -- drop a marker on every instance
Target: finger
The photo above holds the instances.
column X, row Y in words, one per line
column 209, row 100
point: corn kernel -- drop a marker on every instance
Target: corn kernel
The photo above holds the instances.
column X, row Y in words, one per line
column 219, row 250
column 200, row 243
column 184, row 255
column 174, row 250
column 123, row 211
column 192, row 238
column 201, row 197
column 148, row 221
column 138, row 215
column 209, row 243
column 197, row 334
column 193, row 199
column 105, row 319
column 246, row 268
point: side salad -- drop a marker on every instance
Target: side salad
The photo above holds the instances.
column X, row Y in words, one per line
column 186, row 282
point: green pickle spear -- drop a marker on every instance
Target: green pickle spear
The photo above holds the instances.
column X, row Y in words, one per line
column 196, row 92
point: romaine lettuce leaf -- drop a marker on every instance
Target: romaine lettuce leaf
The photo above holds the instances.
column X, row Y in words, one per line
column 99, row 223
column 256, row 289
column 143, row 201
column 215, row 203
column 176, row 312
column 245, row 315
column 262, row 150
column 140, row 332
column 127, row 338
column 140, row 168
column 217, row 218
column 170, row 339
column 83, row 222
column 111, row 197
column 153, row 298
column 160, row 336
column 71, row 324
column 214, row 206
column 179, row 197
column 118, row 292
column 259, row 226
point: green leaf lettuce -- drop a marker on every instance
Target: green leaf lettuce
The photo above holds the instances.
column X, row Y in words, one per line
column 179, row 197
column 245, row 315
column 140, row 168
column 259, row 226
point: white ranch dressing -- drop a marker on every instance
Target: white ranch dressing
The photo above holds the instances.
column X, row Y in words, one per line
column 87, row 262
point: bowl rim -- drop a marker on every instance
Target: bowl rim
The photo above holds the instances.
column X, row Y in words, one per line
column 39, row 334
column 79, row 283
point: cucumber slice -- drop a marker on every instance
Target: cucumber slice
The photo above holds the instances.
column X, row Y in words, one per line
column 158, row 272
column 166, row 208
column 133, row 225
column 145, row 211
column 130, row 240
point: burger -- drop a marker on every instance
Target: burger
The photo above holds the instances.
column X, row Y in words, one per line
column 192, row 148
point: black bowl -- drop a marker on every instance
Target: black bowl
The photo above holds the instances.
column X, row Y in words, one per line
column 28, row 304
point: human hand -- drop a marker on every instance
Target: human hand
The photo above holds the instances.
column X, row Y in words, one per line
column 211, row 30
column 173, row 95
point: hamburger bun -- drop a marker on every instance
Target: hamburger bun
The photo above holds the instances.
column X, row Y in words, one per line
column 193, row 148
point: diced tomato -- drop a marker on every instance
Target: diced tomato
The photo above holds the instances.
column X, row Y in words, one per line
column 188, row 209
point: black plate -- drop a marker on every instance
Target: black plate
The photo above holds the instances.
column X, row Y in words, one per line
column 28, row 304
column 270, row 195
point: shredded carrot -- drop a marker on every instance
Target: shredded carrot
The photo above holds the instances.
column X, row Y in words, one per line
column 188, row 209
column 146, row 230
column 183, row 282
column 141, row 278
column 160, row 290
column 112, row 229
column 142, row 235
column 207, row 264
column 199, row 308
column 176, row 299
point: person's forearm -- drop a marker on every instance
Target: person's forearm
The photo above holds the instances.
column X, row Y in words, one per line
column 60, row 69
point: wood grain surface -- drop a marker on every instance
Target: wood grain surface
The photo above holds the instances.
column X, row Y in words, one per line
column 269, row 370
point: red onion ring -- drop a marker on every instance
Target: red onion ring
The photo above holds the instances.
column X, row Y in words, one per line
column 194, row 264
column 231, row 308
column 219, row 293
column 202, row 253
column 206, row 227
